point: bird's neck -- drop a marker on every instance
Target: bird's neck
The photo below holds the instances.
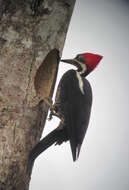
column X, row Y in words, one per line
column 82, row 71
column 80, row 82
column 82, row 68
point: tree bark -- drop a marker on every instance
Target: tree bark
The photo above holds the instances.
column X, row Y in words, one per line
column 30, row 47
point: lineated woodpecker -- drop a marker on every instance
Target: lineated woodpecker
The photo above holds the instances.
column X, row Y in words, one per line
column 72, row 105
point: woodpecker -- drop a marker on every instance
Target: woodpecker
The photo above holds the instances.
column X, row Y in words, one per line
column 72, row 105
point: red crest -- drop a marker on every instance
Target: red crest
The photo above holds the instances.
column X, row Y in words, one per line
column 92, row 60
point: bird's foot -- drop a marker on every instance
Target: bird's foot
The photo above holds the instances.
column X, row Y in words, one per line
column 54, row 113
column 49, row 102
column 53, row 109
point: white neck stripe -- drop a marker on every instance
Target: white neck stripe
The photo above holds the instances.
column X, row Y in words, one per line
column 83, row 66
column 80, row 82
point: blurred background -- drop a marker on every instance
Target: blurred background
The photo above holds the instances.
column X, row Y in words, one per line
column 100, row 27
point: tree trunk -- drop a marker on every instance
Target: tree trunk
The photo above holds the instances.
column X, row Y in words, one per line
column 30, row 45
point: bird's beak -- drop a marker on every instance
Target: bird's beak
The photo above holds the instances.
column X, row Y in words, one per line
column 70, row 61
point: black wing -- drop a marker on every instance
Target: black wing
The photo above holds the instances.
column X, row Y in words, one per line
column 76, row 108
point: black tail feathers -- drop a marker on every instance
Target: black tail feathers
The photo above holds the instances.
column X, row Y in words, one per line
column 57, row 136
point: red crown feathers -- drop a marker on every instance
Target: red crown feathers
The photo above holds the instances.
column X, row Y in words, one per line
column 92, row 60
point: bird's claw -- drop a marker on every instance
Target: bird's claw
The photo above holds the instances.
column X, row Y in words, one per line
column 53, row 109
column 54, row 113
column 51, row 114
column 50, row 117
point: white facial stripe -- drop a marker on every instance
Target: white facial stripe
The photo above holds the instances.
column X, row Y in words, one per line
column 83, row 66
column 80, row 82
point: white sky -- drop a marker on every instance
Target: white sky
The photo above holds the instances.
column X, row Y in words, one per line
column 97, row 26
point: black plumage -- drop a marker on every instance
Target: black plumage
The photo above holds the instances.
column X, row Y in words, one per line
column 75, row 107
column 72, row 105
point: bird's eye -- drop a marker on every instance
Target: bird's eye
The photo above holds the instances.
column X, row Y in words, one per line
column 78, row 56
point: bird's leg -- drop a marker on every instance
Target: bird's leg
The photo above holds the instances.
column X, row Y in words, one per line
column 53, row 109
column 61, row 124
column 54, row 112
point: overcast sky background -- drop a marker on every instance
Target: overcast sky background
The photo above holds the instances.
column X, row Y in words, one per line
column 97, row 26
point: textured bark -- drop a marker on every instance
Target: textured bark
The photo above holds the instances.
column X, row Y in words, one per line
column 30, row 47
